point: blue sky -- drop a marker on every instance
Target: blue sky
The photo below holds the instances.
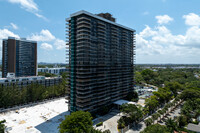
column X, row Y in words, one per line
column 167, row 31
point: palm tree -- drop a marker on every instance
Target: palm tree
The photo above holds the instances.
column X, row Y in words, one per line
column 171, row 105
column 148, row 122
column 171, row 125
column 167, row 108
column 161, row 113
column 182, row 121
column 155, row 116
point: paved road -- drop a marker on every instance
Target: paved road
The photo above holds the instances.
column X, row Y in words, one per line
column 109, row 121
column 172, row 115
column 141, row 126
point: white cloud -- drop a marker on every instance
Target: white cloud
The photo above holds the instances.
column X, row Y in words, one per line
column 164, row 19
column 192, row 37
column 192, row 19
column 60, row 44
column 5, row 33
column 46, row 46
column 14, row 26
column 41, row 16
column 45, row 35
column 147, row 32
column 28, row 5
column 159, row 44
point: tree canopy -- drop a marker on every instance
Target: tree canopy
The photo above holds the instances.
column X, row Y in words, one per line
column 132, row 111
column 77, row 122
column 132, row 96
column 13, row 95
column 151, row 103
column 156, row 128
column 2, row 126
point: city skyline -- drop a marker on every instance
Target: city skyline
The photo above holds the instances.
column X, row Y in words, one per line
column 166, row 31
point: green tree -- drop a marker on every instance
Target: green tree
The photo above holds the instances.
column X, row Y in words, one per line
column 2, row 126
column 132, row 96
column 138, row 78
column 132, row 111
column 191, row 108
column 155, row 116
column 171, row 125
column 148, row 122
column 156, row 128
column 77, row 122
column 46, row 74
column 121, row 123
column 174, row 87
column 151, row 103
column 161, row 112
column 193, row 84
column 182, row 121
column 163, row 95
column 148, row 75
column 190, row 93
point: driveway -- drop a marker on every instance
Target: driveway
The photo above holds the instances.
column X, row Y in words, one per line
column 109, row 121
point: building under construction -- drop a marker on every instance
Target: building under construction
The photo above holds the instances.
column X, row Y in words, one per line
column 101, row 60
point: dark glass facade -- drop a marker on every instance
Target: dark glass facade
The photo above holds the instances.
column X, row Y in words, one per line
column 101, row 61
column 19, row 57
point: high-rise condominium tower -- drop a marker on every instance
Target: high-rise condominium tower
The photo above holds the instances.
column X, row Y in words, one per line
column 19, row 57
column 101, row 60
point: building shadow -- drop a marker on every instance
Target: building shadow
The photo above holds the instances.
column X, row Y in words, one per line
column 106, row 117
column 51, row 125
column 137, row 127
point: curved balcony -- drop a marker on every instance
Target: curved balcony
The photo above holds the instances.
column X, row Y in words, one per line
column 82, row 100
column 83, row 31
column 83, row 37
column 83, row 22
column 101, row 23
column 102, row 37
column 83, row 26
column 115, row 28
column 83, row 92
column 101, row 27
column 83, row 18
column 101, row 34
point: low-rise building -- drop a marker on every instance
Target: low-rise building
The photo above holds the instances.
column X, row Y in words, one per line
column 56, row 71
column 193, row 127
column 11, row 80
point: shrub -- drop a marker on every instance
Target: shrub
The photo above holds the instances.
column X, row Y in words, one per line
column 99, row 124
column 121, row 123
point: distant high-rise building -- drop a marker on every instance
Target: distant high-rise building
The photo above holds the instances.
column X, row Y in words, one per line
column 101, row 60
column 19, row 57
